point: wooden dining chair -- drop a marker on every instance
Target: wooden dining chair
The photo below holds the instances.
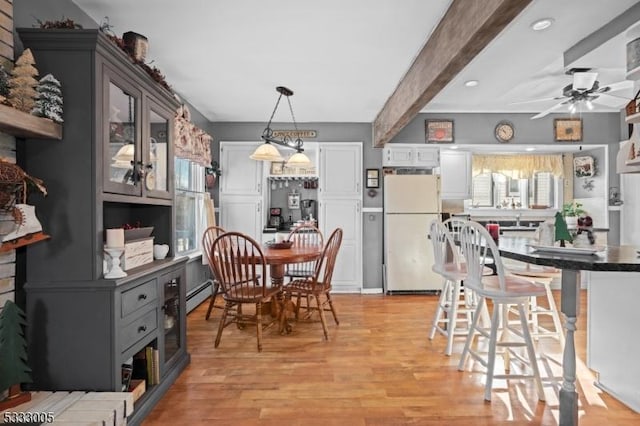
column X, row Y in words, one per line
column 237, row 261
column 209, row 236
column 502, row 290
column 303, row 236
column 319, row 284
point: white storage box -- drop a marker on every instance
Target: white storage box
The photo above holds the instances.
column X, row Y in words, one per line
column 137, row 253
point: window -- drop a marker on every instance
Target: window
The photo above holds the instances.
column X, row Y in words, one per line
column 494, row 189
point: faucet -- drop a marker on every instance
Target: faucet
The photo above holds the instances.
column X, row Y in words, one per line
column 518, row 219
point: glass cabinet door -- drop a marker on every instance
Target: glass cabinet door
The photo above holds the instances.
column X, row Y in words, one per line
column 122, row 119
column 171, row 341
column 156, row 143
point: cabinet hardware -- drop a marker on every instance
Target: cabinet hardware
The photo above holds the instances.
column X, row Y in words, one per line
column 142, row 296
column 142, row 329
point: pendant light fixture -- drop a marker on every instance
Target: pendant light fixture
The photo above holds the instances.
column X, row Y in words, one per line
column 268, row 152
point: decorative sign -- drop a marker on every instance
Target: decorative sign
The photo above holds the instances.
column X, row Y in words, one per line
column 293, row 134
column 567, row 129
column 439, row 131
column 584, row 166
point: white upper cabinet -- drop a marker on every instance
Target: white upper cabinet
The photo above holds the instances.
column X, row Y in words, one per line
column 410, row 155
column 455, row 175
column 340, row 170
column 240, row 174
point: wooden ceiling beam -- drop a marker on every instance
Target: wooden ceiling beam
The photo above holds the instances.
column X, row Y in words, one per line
column 465, row 29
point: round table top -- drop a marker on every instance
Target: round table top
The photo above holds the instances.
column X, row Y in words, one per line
column 294, row 254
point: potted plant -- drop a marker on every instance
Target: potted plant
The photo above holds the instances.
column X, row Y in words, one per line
column 571, row 211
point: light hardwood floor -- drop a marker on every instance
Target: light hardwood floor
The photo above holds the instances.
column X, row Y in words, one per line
column 378, row 368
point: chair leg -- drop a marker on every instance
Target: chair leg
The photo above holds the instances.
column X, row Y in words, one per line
column 557, row 324
column 471, row 334
column 322, row 318
column 453, row 317
column 439, row 309
column 333, row 309
column 259, row 325
column 491, row 361
column 504, row 335
column 214, row 293
column 223, row 321
column 531, row 352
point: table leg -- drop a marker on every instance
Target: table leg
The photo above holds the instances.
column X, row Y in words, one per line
column 277, row 279
column 570, row 307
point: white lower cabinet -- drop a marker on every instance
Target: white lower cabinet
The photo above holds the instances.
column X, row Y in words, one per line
column 345, row 214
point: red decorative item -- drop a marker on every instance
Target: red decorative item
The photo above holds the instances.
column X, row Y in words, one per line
column 494, row 230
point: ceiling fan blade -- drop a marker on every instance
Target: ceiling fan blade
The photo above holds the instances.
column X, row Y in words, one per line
column 610, row 100
column 584, row 80
column 556, row 98
column 548, row 110
column 620, row 85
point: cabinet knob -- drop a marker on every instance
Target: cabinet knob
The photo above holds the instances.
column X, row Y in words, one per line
column 142, row 296
column 142, row 329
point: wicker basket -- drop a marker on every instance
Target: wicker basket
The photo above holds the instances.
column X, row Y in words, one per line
column 633, row 107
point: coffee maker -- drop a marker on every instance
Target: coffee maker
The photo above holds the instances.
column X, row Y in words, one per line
column 275, row 217
column 308, row 209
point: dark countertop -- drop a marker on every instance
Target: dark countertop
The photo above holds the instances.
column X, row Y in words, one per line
column 613, row 258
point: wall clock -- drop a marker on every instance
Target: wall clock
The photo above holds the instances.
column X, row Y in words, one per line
column 504, row 131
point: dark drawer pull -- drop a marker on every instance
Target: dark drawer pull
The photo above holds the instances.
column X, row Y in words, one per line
column 142, row 329
column 142, row 296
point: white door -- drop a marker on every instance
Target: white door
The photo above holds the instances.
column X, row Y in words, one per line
column 455, row 175
column 340, row 202
column 340, row 170
column 412, row 194
column 240, row 174
column 242, row 214
column 345, row 214
column 409, row 254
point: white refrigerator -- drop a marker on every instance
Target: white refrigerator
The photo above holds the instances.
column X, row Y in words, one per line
column 411, row 202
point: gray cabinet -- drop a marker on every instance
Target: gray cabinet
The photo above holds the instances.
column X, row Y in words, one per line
column 81, row 327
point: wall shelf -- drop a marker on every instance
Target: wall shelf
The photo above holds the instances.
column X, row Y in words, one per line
column 21, row 124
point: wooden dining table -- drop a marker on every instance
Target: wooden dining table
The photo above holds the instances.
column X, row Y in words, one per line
column 611, row 258
column 277, row 259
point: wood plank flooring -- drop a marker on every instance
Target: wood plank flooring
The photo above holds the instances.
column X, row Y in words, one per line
column 378, row 368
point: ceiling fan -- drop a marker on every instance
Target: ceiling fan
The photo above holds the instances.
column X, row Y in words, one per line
column 584, row 88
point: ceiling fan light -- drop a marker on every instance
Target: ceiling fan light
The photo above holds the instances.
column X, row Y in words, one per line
column 266, row 152
column 589, row 105
column 584, row 80
column 542, row 24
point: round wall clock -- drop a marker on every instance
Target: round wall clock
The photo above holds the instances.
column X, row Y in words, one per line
column 504, row 131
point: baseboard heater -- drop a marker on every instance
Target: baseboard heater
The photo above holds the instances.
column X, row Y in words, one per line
column 198, row 295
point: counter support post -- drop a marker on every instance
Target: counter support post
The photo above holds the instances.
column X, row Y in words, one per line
column 570, row 307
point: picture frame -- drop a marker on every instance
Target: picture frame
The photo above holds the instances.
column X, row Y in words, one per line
column 276, row 167
column 439, row 131
column 567, row 129
column 584, row 166
column 373, row 178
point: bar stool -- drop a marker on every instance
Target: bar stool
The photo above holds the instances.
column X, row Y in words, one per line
column 457, row 303
column 503, row 290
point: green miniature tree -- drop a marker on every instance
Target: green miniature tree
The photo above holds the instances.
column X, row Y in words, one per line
column 13, row 348
column 562, row 231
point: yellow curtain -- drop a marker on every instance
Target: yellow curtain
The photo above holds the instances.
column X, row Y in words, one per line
column 517, row 166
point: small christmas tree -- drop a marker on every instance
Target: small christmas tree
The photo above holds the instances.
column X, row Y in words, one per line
column 13, row 355
column 23, row 81
column 562, row 232
column 4, row 83
column 49, row 99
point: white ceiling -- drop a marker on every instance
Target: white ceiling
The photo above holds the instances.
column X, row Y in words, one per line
column 343, row 59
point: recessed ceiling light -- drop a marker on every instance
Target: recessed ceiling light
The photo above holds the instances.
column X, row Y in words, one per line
column 530, row 149
column 542, row 24
column 471, row 83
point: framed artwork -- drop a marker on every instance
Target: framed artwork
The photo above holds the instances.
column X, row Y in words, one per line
column 584, row 166
column 567, row 129
column 373, row 178
column 439, row 131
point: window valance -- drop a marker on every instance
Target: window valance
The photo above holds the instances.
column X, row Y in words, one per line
column 518, row 166
column 192, row 142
